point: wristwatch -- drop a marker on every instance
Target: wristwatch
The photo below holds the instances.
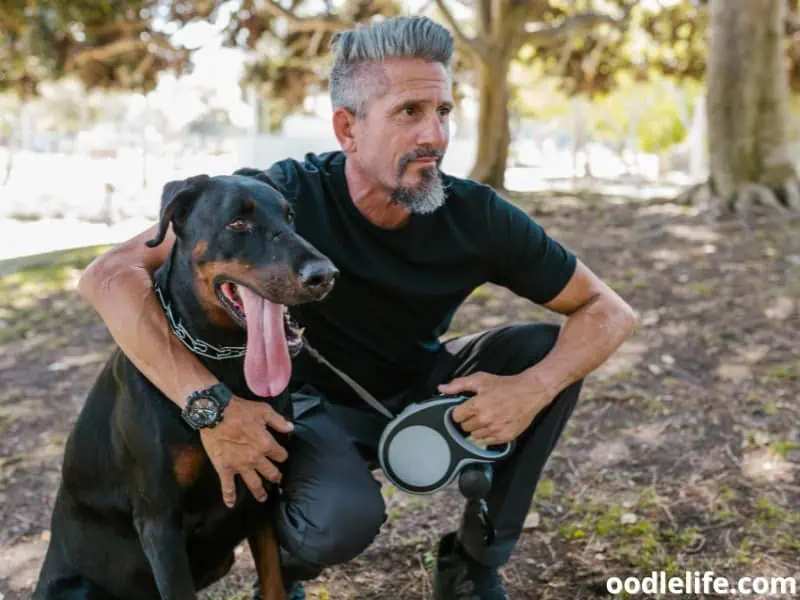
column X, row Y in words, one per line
column 204, row 408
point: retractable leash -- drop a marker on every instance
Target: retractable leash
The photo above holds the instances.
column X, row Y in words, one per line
column 423, row 449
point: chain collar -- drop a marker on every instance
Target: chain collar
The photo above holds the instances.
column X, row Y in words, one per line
column 196, row 345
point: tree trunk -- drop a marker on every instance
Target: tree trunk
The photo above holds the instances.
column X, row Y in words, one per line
column 494, row 136
column 748, row 107
column 14, row 141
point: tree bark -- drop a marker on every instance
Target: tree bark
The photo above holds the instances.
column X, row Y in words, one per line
column 494, row 136
column 748, row 108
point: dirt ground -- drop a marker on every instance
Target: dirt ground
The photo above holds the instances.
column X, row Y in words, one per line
column 683, row 454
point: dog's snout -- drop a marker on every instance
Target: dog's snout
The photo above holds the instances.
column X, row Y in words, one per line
column 318, row 276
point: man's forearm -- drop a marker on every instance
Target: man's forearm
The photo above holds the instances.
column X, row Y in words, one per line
column 123, row 297
column 587, row 339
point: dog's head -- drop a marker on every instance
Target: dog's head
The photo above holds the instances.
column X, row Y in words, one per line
column 237, row 232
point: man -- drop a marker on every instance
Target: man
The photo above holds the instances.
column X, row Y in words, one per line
column 411, row 243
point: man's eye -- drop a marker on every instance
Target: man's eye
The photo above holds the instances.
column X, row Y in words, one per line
column 290, row 216
column 239, row 225
column 410, row 111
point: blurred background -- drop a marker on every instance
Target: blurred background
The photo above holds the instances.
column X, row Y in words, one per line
column 102, row 102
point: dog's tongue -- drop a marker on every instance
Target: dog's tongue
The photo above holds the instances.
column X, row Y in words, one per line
column 267, row 366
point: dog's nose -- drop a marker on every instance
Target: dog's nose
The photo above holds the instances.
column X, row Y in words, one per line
column 318, row 276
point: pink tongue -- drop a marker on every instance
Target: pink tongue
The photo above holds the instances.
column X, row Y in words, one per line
column 267, row 366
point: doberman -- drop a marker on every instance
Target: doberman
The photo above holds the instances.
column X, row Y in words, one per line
column 139, row 513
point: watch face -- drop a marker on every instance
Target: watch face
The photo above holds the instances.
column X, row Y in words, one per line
column 203, row 411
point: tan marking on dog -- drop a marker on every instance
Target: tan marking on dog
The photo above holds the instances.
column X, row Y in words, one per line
column 187, row 463
column 264, row 547
column 200, row 249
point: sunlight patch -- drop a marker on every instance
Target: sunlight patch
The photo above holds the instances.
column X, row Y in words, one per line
column 608, row 453
column 766, row 465
column 780, row 309
column 693, row 233
column 77, row 361
column 649, row 433
column 734, row 373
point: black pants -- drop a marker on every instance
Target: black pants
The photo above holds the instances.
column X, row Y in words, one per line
column 332, row 507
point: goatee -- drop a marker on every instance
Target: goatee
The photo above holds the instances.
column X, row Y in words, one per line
column 430, row 194
column 423, row 199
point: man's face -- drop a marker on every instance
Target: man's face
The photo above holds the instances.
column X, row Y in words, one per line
column 402, row 139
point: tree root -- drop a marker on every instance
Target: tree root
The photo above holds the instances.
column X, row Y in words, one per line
column 747, row 200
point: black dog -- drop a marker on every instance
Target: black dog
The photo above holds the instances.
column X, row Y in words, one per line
column 139, row 513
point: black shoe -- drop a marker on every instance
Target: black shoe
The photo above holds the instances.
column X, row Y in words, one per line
column 294, row 591
column 458, row 576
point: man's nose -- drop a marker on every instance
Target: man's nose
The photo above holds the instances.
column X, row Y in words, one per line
column 433, row 132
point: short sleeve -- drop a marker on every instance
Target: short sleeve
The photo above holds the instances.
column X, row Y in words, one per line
column 524, row 258
column 283, row 175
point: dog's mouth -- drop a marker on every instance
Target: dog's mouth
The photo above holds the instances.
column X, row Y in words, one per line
column 228, row 293
column 273, row 337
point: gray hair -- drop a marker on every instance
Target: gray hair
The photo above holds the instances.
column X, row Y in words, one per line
column 357, row 75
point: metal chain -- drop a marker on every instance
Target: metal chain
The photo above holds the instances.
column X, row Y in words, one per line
column 197, row 346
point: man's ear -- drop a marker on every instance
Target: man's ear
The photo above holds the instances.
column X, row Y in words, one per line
column 258, row 174
column 343, row 122
column 177, row 199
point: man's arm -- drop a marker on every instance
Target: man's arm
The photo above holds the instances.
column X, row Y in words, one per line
column 119, row 286
column 598, row 322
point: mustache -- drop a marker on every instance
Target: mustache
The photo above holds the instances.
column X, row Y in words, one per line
column 416, row 155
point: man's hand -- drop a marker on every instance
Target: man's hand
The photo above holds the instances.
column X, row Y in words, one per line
column 502, row 408
column 242, row 444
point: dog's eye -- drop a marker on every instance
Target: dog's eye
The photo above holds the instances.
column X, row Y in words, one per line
column 240, row 225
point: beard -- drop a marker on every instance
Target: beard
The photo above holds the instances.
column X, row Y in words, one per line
column 427, row 196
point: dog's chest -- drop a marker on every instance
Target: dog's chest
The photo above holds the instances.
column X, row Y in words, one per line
column 205, row 522
column 203, row 509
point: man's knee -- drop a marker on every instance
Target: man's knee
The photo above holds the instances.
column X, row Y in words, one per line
column 334, row 527
column 530, row 343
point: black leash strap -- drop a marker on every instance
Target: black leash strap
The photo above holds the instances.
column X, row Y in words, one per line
column 364, row 394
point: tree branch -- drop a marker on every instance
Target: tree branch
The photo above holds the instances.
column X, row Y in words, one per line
column 553, row 34
column 108, row 51
column 117, row 48
column 119, row 26
column 327, row 23
column 475, row 46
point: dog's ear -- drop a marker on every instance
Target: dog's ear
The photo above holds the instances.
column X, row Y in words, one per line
column 177, row 198
column 257, row 174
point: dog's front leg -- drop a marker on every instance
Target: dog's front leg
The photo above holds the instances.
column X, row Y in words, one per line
column 264, row 546
column 164, row 545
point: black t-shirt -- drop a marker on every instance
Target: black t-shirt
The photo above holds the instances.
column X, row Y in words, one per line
column 398, row 289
